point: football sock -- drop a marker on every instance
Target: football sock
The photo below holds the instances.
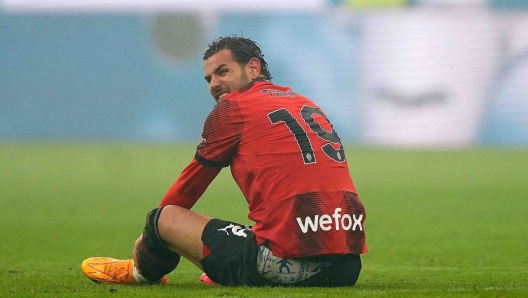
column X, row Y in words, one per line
column 154, row 258
column 138, row 277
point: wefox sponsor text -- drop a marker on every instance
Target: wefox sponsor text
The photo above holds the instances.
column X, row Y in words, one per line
column 326, row 223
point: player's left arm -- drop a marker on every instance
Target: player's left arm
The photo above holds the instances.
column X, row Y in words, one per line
column 190, row 185
column 220, row 137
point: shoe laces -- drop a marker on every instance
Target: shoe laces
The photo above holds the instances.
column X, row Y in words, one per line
column 119, row 271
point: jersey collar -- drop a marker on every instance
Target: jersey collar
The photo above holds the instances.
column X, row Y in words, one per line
column 250, row 84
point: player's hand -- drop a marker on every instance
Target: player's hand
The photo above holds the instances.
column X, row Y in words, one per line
column 136, row 251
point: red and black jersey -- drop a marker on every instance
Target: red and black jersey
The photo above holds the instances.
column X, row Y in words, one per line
column 291, row 167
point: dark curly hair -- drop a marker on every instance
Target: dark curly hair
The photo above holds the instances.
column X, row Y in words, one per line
column 242, row 49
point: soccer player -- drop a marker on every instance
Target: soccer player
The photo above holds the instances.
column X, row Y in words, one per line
column 289, row 162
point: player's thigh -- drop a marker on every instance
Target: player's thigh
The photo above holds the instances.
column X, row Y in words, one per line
column 231, row 253
column 182, row 230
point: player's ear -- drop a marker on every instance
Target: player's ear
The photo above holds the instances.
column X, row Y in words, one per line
column 254, row 67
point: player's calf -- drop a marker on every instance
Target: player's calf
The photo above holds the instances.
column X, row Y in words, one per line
column 154, row 258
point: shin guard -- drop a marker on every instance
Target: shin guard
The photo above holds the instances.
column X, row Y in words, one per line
column 154, row 258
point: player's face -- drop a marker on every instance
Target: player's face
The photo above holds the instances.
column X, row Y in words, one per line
column 224, row 74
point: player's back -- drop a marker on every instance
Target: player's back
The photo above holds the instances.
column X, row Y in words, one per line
column 287, row 144
column 291, row 167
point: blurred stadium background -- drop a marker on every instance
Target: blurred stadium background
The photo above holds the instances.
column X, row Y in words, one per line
column 398, row 73
column 102, row 104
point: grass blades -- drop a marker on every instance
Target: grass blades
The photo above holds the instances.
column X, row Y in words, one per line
column 439, row 223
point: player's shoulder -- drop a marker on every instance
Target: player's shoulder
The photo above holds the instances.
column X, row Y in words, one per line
column 263, row 94
column 269, row 89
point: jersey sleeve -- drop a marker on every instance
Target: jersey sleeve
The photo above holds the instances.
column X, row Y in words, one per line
column 221, row 135
column 190, row 185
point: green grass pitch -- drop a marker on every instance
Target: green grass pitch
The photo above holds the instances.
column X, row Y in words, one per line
column 440, row 223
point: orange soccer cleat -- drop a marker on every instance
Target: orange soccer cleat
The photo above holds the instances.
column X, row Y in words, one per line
column 111, row 271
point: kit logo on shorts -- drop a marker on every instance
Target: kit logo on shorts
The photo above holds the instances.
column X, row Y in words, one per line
column 236, row 230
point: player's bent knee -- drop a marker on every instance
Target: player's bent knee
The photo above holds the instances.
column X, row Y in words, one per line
column 154, row 258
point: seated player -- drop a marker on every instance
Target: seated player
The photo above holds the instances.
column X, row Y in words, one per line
column 291, row 167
